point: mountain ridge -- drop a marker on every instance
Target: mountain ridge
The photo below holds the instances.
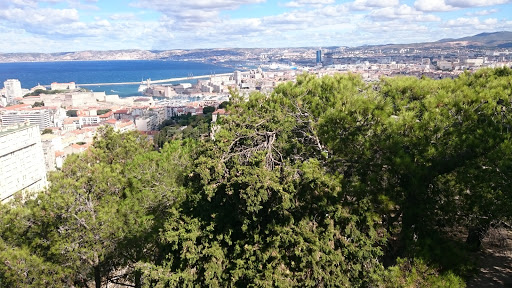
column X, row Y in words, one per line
column 487, row 40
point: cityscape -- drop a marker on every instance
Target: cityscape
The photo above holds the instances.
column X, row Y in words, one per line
column 305, row 143
column 73, row 114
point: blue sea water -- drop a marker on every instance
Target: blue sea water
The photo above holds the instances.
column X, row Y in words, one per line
column 83, row 72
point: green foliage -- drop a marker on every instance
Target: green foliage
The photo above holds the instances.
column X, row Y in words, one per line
column 71, row 113
column 38, row 92
column 208, row 109
column 224, row 105
column 103, row 111
column 318, row 184
column 417, row 274
column 47, row 131
column 20, row 268
column 38, row 104
column 188, row 126
column 264, row 211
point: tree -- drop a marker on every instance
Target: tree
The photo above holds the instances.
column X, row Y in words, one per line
column 47, row 131
column 21, row 267
column 208, row 109
column 103, row 111
column 38, row 104
column 407, row 143
column 336, row 158
column 263, row 210
column 325, row 182
column 82, row 218
column 72, row 113
column 224, row 105
column 104, row 210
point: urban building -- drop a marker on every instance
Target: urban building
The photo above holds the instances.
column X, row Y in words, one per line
column 22, row 163
column 39, row 117
column 80, row 99
column 121, row 126
column 319, row 57
column 147, row 123
column 63, row 86
column 12, row 90
column 51, row 144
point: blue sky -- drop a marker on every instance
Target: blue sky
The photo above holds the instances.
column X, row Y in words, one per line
column 77, row 25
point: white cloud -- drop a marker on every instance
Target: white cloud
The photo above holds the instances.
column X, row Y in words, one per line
column 175, row 7
column 122, row 16
column 369, row 4
column 25, row 3
column 482, row 12
column 432, row 5
column 448, row 5
column 302, row 3
column 403, row 12
column 207, row 23
column 468, row 25
column 475, row 3
column 184, row 15
column 44, row 17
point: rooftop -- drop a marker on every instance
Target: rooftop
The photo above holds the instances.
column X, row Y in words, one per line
column 18, row 107
column 15, row 128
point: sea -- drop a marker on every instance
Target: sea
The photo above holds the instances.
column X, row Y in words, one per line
column 31, row 74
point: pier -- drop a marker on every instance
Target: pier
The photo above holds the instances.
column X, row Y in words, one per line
column 154, row 81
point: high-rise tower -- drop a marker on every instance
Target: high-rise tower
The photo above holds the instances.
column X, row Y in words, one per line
column 318, row 56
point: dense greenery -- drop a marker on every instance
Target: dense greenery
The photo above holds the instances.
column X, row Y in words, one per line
column 38, row 92
column 72, row 113
column 224, row 105
column 47, row 131
column 38, row 104
column 187, row 126
column 325, row 182
column 103, row 111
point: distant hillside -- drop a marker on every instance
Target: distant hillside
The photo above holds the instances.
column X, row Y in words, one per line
column 496, row 39
column 483, row 40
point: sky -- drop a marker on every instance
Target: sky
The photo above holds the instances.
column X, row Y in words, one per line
column 78, row 25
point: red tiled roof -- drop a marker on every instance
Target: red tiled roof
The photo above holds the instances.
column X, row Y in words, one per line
column 221, row 112
column 18, row 107
column 106, row 115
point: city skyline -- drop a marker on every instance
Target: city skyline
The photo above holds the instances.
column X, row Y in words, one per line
column 73, row 25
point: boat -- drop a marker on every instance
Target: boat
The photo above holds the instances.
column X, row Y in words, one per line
column 143, row 88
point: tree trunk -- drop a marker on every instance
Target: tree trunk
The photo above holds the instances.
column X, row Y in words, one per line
column 97, row 276
column 475, row 236
column 138, row 276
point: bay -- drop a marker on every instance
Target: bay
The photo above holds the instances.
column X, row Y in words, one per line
column 31, row 74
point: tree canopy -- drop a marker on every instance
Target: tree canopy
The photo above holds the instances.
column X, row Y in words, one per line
column 327, row 181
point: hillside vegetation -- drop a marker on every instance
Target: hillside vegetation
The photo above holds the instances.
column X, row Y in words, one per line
column 326, row 182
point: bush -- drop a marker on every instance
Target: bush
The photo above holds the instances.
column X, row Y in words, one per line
column 72, row 113
column 47, row 131
column 415, row 273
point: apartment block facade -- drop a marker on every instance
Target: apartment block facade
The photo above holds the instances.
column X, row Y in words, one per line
column 22, row 163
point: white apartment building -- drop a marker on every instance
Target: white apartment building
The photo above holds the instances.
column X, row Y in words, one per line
column 40, row 117
column 12, row 90
column 22, row 163
column 89, row 120
column 147, row 123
